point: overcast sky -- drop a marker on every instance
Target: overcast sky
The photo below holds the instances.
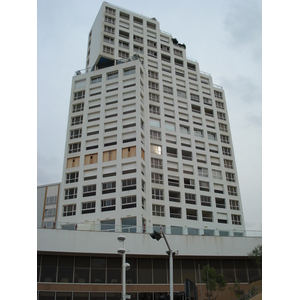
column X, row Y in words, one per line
column 225, row 37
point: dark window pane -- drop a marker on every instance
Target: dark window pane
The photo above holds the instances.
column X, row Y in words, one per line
column 97, row 296
column 159, row 270
column 114, row 270
column 82, row 266
column 98, row 269
column 49, row 265
column 81, row 296
column 63, row 296
column 65, row 269
column 38, row 267
column 253, row 270
column 46, row 295
column 177, row 271
column 144, row 270
column 200, row 263
column 216, row 264
column 131, row 274
column 113, row 296
column 228, row 270
column 241, row 270
column 188, row 269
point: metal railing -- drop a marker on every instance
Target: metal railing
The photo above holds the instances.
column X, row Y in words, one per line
column 92, row 226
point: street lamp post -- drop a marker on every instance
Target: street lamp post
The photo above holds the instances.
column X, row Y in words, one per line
column 125, row 265
column 157, row 235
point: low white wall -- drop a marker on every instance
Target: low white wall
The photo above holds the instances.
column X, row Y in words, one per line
column 142, row 244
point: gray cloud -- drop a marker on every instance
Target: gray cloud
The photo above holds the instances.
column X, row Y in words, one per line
column 243, row 22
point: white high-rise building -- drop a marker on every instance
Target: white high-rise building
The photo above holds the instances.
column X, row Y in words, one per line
column 148, row 137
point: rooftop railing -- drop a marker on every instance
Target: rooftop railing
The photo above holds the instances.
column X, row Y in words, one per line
column 91, row 226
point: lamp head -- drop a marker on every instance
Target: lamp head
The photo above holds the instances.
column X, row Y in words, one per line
column 121, row 238
column 155, row 235
column 121, row 251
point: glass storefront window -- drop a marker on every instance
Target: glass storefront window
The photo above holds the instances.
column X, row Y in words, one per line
column 49, row 266
column 65, row 269
column 144, row 270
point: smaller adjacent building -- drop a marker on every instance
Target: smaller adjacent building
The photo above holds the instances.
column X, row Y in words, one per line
column 47, row 201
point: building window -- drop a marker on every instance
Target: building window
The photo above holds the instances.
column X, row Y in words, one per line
column 155, row 149
column 220, row 203
column 230, row 177
column 234, row 204
column 218, row 94
column 168, row 90
column 69, row 210
column 155, row 135
column 108, row 204
column 191, row 214
column 129, row 184
column 217, row 174
column 109, row 20
column 129, row 71
column 109, row 155
column 75, row 134
column 226, row 151
column 96, row 79
column 123, row 54
column 156, row 163
column 70, row 193
column 223, row 127
column 221, row 115
column 224, row 139
column 204, row 186
column 157, row 194
column 129, row 152
column 89, row 190
column 184, row 129
column 88, row 207
column 79, row 95
column 74, row 148
column 112, row 75
column 181, row 94
column 109, row 40
column 232, row 190
column 207, row 101
column 109, row 29
column 154, row 109
column 154, row 123
column 228, row 163
column 157, row 178
column 207, row 216
column 205, row 200
column 138, row 39
column 236, row 219
column 78, row 107
column 153, row 85
column 109, row 187
column 175, row 212
column 72, row 177
column 108, row 225
column 76, row 120
column 220, row 105
column 190, row 198
column 203, row 172
column 129, row 225
column 189, row 183
column 158, row 210
column 128, row 202
column 212, row 136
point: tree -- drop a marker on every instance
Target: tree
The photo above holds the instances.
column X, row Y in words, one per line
column 256, row 254
column 214, row 282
